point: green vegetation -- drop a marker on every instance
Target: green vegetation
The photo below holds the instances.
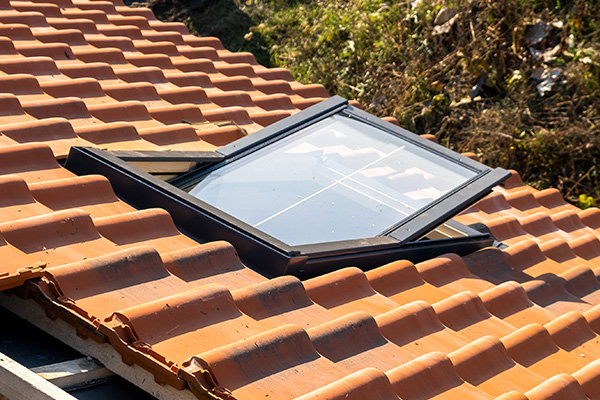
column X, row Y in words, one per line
column 514, row 81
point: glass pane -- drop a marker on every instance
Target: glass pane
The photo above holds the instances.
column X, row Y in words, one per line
column 337, row 179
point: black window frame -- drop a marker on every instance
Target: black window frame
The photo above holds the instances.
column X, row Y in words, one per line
column 267, row 254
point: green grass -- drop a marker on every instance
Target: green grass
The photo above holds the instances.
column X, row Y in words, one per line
column 386, row 55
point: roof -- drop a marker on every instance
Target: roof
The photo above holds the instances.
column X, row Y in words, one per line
column 518, row 322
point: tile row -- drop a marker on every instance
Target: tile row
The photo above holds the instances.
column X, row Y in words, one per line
column 217, row 339
column 47, row 226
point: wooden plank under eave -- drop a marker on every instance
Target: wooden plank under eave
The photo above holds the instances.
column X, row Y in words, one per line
column 20, row 383
column 105, row 353
column 73, row 373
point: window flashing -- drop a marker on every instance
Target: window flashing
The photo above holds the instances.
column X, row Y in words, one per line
column 412, row 238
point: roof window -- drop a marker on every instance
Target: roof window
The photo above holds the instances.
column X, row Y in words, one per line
column 330, row 186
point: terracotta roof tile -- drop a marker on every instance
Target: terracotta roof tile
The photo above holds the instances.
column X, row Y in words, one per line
column 549, row 292
column 91, row 193
column 17, row 266
column 115, row 135
column 465, row 313
column 429, row 376
column 485, row 363
column 57, row 238
column 215, row 262
column 16, row 200
column 509, row 302
column 561, row 386
column 416, row 328
column 572, row 333
column 400, row 281
column 588, row 379
column 345, row 291
column 279, row 301
column 104, row 284
column 55, row 132
column 33, row 162
column 368, row 383
column 355, row 342
column 257, row 365
column 517, row 321
column 152, row 226
column 181, row 335
column 450, row 273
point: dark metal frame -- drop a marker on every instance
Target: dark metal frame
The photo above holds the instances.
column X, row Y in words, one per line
column 264, row 252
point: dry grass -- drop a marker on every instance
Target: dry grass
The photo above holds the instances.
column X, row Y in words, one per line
column 473, row 85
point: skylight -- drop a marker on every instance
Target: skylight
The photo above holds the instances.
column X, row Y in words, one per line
column 328, row 187
column 338, row 179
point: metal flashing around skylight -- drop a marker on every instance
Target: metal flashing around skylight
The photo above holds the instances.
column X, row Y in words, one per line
column 327, row 187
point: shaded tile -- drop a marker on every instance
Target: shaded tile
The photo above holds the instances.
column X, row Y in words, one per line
column 347, row 290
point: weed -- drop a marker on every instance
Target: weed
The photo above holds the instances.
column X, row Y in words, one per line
column 479, row 80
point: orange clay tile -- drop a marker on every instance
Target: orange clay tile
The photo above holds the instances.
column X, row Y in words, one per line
column 17, row 266
column 509, row 302
column 552, row 199
column 354, row 342
column 569, row 221
column 86, row 26
column 508, row 230
column 126, row 111
column 16, row 200
column 549, row 292
column 368, row 383
column 279, row 301
column 512, row 395
column 152, row 226
column 11, row 110
column 541, row 226
column 572, row 333
column 513, row 184
column 23, row 85
column 101, row 73
column 449, row 273
column 401, row 282
column 91, row 193
column 115, row 136
column 416, row 328
column 280, row 363
column 526, row 202
column 88, row 89
column 71, row 108
column 215, row 262
column 111, row 282
column 588, row 248
column 57, row 238
column 526, row 256
column 495, row 204
column 533, row 348
column 175, row 114
column 484, row 363
column 347, row 290
column 190, row 94
column 590, row 217
column 466, row 314
column 175, row 137
column 559, row 251
column 491, row 264
column 560, row 387
column 588, row 378
column 582, row 282
column 432, row 376
column 33, row 162
column 55, row 132
column 192, row 322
